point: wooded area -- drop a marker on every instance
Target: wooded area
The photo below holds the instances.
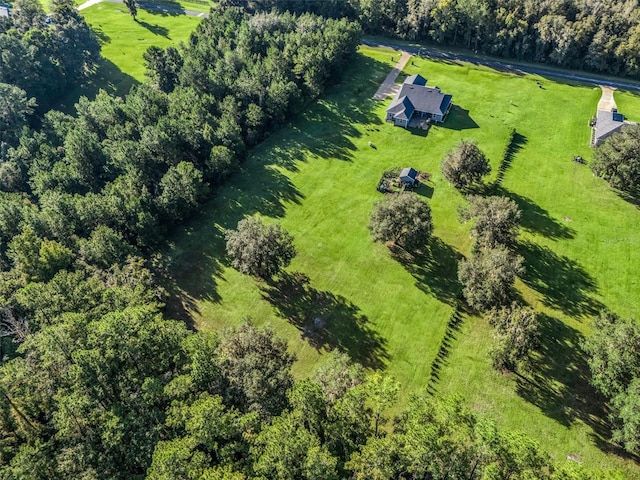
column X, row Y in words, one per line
column 596, row 36
column 96, row 383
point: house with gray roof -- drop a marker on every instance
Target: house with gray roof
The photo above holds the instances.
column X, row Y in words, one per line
column 607, row 123
column 4, row 10
column 416, row 101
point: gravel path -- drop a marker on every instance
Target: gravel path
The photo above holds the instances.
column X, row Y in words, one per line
column 607, row 101
column 389, row 87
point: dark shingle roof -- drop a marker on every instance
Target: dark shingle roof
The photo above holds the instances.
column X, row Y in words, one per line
column 607, row 123
column 416, row 79
column 401, row 107
column 423, row 99
column 409, row 172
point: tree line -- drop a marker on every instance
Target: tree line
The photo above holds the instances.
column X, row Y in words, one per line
column 45, row 55
column 110, row 180
column 595, row 36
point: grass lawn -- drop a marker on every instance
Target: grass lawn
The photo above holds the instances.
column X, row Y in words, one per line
column 318, row 176
column 123, row 43
column 124, row 40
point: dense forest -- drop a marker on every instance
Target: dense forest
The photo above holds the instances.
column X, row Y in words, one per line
column 95, row 382
column 44, row 55
column 584, row 34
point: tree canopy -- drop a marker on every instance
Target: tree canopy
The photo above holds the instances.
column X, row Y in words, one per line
column 617, row 160
column 488, row 277
column 614, row 360
column 496, row 220
column 259, row 249
column 569, row 33
column 465, row 166
column 403, row 219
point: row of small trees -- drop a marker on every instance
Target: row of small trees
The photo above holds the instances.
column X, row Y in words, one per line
column 488, row 276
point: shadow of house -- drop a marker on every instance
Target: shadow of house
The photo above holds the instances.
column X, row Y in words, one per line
column 325, row 320
column 459, row 119
column 562, row 282
column 435, row 270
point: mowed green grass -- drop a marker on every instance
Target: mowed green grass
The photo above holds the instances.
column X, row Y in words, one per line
column 123, row 43
column 124, row 40
column 317, row 177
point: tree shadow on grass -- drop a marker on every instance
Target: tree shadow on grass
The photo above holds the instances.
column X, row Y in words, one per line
column 558, row 383
column 193, row 267
column 155, row 29
column 632, row 198
column 535, row 219
column 325, row 320
column 325, row 129
column 107, row 76
column 516, row 143
column 194, row 258
column 435, row 269
column 562, row 282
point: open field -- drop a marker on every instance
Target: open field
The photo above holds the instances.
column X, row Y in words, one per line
column 318, row 177
column 123, row 43
column 118, row 32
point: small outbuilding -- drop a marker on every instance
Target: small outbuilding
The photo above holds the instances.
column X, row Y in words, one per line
column 408, row 175
column 4, row 10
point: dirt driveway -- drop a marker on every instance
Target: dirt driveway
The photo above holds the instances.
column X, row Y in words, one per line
column 389, row 87
column 607, row 103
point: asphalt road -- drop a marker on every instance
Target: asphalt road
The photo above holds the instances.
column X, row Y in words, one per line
column 498, row 65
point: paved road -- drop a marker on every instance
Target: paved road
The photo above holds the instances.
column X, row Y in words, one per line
column 149, row 6
column 389, row 86
column 498, row 65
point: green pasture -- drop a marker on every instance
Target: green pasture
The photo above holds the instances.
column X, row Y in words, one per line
column 123, row 42
column 318, row 176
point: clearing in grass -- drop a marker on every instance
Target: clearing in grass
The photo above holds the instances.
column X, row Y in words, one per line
column 318, row 176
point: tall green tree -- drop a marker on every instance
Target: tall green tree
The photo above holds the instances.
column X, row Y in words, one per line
column 617, row 160
column 516, row 333
column 132, row 7
column 465, row 166
column 488, row 277
column 496, row 220
column 15, row 109
column 258, row 249
column 404, row 220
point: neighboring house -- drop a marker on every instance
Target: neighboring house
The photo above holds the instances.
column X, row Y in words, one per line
column 607, row 123
column 408, row 175
column 4, row 10
column 417, row 101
